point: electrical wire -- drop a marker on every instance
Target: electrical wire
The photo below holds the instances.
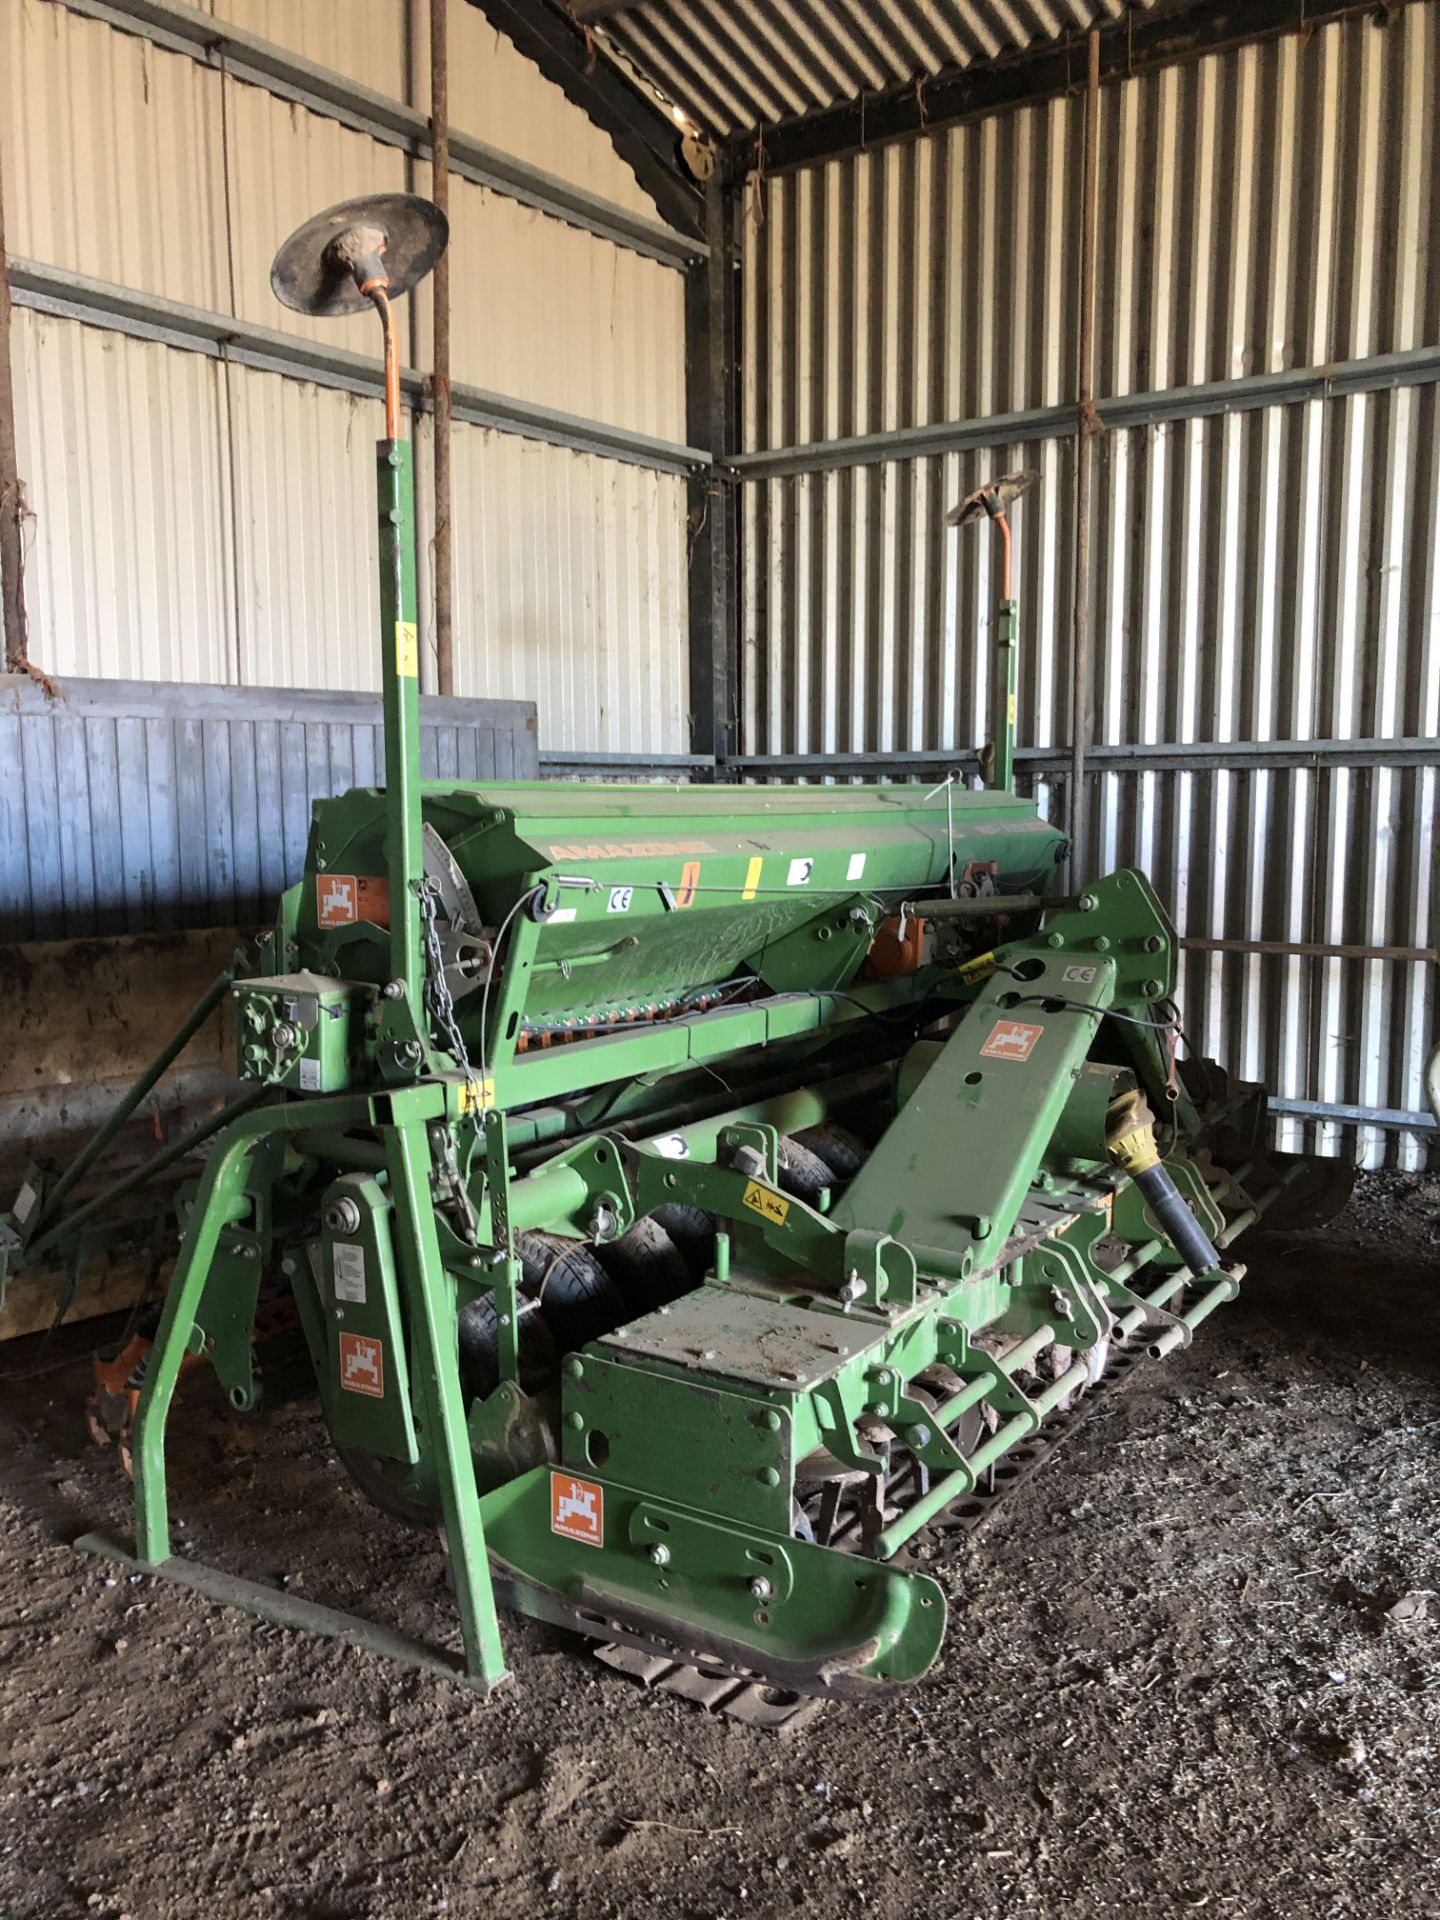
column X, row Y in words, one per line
column 532, row 893
column 1053, row 1000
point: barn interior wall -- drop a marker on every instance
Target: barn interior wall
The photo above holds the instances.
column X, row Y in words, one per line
column 196, row 520
column 1265, row 517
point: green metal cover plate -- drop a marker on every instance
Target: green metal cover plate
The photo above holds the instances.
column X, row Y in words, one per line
column 730, row 1335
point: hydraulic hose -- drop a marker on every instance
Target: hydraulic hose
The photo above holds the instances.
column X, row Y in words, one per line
column 1130, row 1139
column 1176, row 1221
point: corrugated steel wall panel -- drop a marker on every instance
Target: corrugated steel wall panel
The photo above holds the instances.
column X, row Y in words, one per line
column 367, row 40
column 610, row 348
column 1271, row 575
column 112, row 155
column 133, row 808
column 128, row 561
column 199, row 523
column 584, row 613
column 496, row 95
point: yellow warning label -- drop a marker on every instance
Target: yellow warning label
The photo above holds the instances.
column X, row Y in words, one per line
column 980, row 968
column 407, row 649
column 767, row 1203
column 752, row 877
column 476, row 1093
column 1012, row 709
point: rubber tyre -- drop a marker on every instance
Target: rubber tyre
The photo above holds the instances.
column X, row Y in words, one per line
column 577, row 1297
column 646, row 1266
column 692, row 1229
column 480, row 1348
column 843, row 1152
column 801, row 1172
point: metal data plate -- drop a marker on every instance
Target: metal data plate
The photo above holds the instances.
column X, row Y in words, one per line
column 738, row 1336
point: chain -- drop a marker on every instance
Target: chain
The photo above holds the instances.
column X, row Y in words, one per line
column 437, row 989
column 442, row 1011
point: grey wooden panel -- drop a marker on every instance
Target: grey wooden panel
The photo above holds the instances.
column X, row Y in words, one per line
column 130, row 806
column 132, row 777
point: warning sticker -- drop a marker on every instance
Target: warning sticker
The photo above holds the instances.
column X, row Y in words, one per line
column 475, row 1093
column 980, row 968
column 309, row 1075
column 1011, row 1040
column 800, row 872
column 349, row 1264
column 767, row 1203
column 856, row 869
column 577, row 1509
column 752, row 877
column 689, row 881
column 24, row 1203
column 342, row 899
column 407, row 649
column 362, row 1365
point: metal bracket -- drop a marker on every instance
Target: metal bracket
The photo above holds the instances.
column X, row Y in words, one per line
column 1071, row 1275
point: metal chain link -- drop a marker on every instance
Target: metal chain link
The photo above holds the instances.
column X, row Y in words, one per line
column 441, row 1006
column 437, row 989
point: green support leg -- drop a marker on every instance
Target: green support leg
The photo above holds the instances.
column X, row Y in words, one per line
column 223, row 1185
column 435, row 1367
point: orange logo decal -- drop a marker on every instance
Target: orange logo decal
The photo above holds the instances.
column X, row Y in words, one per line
column 577, row 1509
column 1011, row 1040
column 362, row 1365
column 343, row 898
column 689, row 881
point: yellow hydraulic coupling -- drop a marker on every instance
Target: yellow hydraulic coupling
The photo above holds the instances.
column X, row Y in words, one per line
column 1130, row 1133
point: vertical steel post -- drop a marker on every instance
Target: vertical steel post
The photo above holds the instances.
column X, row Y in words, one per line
column 400, row 660
column 712, row 320
column 1081, row 720
column 12, row 558
column 440, row 347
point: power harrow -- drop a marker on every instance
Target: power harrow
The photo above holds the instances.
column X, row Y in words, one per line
column 689, row 1195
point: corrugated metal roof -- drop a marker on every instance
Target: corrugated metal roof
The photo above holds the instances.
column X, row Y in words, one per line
column 730, row 65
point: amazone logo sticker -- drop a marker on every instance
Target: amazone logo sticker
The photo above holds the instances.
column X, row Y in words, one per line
column 766, row 1202
column 1011, row 1040
column 577, row 1509
column 342, row 899
column 362, row 1365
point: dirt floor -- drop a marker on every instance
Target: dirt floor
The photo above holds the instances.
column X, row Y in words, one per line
column 1192, row 1667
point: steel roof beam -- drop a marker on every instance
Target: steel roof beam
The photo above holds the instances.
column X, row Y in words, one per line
column 646, row 139
column 1132, row 44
